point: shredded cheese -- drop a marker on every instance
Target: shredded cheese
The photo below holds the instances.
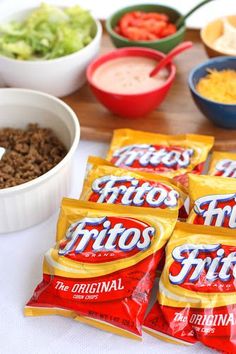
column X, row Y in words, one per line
column 219, row 86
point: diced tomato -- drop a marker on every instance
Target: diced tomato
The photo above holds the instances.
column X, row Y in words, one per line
column 137, row 14
column 154, row 27
column 168, row 31
column 137, row 22
column 125, row 21
column 155, row 16
column 137, row 34
column 151, row 37
column 139, row 25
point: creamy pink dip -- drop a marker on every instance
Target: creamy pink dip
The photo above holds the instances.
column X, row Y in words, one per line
column 129, row 75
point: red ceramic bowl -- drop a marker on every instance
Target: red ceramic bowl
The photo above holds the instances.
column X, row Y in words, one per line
column 131, row 105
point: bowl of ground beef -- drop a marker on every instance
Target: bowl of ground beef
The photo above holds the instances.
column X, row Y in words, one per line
column 39, row 135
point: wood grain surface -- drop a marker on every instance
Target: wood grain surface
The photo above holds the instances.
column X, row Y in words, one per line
column 177, row 114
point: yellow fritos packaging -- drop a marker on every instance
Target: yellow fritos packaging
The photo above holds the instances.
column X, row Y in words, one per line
column 105, row 183
column 212, row 201
column 102, row 268
column 197, row 294
column 170, row 155
column 223, row 164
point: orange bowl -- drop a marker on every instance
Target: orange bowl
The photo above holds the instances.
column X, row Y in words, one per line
column 211, row 32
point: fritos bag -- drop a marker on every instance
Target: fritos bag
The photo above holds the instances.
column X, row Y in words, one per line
column 212, row 201
column 197, row 291
column 171, row 155
column 112, row 185
column 102, row 268
column 223, row 164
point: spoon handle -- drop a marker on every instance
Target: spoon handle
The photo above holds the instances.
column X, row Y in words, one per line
column 181, row 19
column 177, row 50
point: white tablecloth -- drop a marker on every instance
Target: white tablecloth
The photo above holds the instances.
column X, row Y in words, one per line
column 21, row 256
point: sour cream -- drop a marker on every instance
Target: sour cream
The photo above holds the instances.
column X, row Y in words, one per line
column 227, row 42
column 129, row 75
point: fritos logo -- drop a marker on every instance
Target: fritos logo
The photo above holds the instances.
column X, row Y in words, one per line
column 106, row 238
column 216, row 210
column 128, row 190
column 226, row 168
column 153, row 157
column 205, row 268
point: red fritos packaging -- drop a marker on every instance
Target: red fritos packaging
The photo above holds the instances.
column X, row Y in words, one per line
column 223, row 164
column 212, row 201
column 171, row 155
column 102, row 268
column 105, row 183
column 197, row 291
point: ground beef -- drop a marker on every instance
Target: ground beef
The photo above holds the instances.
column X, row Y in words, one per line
column 29, row 154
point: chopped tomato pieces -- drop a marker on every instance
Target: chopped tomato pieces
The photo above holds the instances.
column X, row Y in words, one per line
column 169, row 30
column 144, row 26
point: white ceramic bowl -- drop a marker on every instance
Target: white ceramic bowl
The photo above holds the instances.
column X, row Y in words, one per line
column 58, row 77
column 32, row 202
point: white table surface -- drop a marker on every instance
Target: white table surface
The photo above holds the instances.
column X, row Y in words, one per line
column 21, row 256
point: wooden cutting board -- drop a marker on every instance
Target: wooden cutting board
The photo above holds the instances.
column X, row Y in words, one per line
column 177, row 114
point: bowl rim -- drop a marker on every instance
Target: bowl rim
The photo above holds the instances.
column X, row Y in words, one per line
column 202, row 65
column 124, row 52
column 202, row 36
column 54, row 60
column 110, row 30
column 66, row 158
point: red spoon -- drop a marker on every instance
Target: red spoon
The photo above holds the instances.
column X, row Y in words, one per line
column 176, row 51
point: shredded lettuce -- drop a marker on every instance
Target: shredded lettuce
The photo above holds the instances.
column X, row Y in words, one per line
column 48, row 32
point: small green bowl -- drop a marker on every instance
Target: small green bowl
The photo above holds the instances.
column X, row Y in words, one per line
column 164, row 45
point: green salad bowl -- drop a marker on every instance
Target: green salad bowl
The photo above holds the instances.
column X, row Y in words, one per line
column 164, row 45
